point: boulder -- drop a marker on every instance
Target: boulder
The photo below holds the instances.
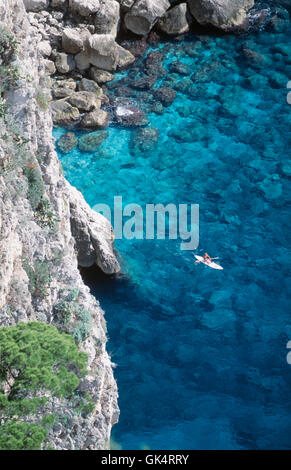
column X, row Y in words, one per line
column 92, row 141
column 103, row 51
column 72, row 41
column 64, row 62
column 128, row 115
column 84, row 7
column 59, row 4
column 84, row 100
column 224, row 14
column 144, row 83
column 143, row 15
column 107, row 17
column 100, row 76
column 35, row 5
column 90, row 85
column 82, row 60
column 50, row 67
column 63, row 113
column 67, row 142
column 179, row 67
column 61, row 92
column 125, row 58
column 143, row 140
column 165, row 95
column 44, row 48
column 176, row 20
column 95, row 119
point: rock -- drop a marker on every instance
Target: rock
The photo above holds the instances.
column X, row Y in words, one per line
column 95, row 239
column 125, row 58
column 100, row 76
column 224, row 14
column 143, row 140
column 91, row 142
column 84, row 100
column 67, row 142
column 179, row 67
column 255, row 59
column 107, row 17
column 90, row 85
column 64, row 62
column 128, row 115
column 123, row 91
column 63, row 113
column 44, row 48
column 49, row 66
column 82, row 61
column 59, row 4
column 126, row 4
column 72, row 41
column 137, row 47
column 35, row 5
column 176, row 20
column 98, row 119
column 67, row 83
column 153, row 64
column 62, row 92
column 165, row 95
column 84, row 7
column 145, row 83
column 103, row 51
column 144, row 14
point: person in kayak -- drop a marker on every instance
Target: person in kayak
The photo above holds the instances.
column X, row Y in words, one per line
column 207, row 258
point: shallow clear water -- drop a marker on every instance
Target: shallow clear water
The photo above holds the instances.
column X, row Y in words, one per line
column 201, row 354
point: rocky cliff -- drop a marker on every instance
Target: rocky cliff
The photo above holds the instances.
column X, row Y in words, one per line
column 44, row 224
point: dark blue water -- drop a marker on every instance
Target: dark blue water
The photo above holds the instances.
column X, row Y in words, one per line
column 201, row 354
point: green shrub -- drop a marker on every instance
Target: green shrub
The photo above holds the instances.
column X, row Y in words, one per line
column 45, row 215
column 35, row 184
column 34, row 357
column 39, row 277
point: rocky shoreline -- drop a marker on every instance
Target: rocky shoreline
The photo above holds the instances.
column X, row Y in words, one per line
column 84, row 43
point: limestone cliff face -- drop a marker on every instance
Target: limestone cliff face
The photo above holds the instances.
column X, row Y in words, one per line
column 44, row 223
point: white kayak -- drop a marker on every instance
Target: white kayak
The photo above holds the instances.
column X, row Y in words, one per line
column 208, row 263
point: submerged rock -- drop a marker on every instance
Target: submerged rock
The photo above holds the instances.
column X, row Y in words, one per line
column 180, row 68
column 143, row 140
column 128, row 115
column 67, row 142
column 224, row 14
column 165, row 95
column 91, row 142
column 145, row 83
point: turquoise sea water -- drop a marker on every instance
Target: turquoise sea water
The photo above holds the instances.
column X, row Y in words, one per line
column 201, row 354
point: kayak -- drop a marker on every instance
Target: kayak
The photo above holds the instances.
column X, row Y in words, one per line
column 208, row 263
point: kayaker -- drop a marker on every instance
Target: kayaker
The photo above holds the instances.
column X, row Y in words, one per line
column 207, row 258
